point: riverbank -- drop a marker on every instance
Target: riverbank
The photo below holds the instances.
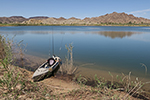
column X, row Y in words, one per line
column 54, row 88
column 16, row 83
column 85, row 80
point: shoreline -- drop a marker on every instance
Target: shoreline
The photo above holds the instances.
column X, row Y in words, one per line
column 82, row 70
column 55, row 88
column 64, row 86
column 126, row 24
column 63, row 81
column 88, row 73
column 34, row 62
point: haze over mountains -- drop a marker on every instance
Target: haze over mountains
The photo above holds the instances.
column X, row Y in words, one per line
column 108, row 18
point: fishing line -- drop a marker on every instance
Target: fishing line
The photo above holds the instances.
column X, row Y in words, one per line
column 49, row 45
column 52, row 42
column 61, row 43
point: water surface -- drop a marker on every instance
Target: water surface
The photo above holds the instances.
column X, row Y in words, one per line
column 107, row 48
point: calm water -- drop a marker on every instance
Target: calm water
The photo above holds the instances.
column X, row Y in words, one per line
column 109, row 48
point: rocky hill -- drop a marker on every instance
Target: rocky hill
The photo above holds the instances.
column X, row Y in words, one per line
column 117, row 18
column 39, row 17
column 112, row 18
column 108, row 18
column 12, row 19
column 19, row 19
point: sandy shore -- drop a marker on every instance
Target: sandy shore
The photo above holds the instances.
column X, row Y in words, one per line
column 33, row 62
column 60, row 87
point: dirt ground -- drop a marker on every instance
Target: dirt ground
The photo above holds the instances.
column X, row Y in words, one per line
column 74, row 91
column 58, row 87
column 64, row 89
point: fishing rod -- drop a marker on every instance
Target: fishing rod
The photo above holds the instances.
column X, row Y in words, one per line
column 52, row 42
column 53, row 46
column 61, row 43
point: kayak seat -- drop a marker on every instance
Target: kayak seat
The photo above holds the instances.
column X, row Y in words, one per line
column 51, row 61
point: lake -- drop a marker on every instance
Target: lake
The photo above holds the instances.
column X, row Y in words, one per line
column 118, row 49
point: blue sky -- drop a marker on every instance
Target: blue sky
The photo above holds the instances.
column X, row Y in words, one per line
column 73, row 8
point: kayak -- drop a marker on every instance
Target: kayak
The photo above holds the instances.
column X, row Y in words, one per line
column 47, row 69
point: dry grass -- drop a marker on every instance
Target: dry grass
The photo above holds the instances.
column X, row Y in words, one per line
column 68, row 67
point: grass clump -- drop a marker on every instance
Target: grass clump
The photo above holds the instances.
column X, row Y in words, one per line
column 68, row 67
column 15, row 82
column 101, row 87
column 124, row 84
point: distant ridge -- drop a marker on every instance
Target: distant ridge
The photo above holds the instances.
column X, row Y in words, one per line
column 112, row 18
column 12, row 19
column 118, row 18
column 39, row 17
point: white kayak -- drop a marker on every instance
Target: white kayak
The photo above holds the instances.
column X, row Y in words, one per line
column 50, row 67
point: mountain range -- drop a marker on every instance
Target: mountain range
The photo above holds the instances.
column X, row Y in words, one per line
column 112, row 18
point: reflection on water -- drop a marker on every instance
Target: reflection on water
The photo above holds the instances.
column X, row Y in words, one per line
column 122, row 52
column 116, row 34
column 111, row 34
column 108, row 32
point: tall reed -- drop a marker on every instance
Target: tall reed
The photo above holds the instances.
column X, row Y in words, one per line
column 68, row 67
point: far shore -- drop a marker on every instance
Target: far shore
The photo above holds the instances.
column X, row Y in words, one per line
column 104, row 24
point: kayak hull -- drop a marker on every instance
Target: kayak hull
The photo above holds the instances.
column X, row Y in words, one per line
column 45, row 70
